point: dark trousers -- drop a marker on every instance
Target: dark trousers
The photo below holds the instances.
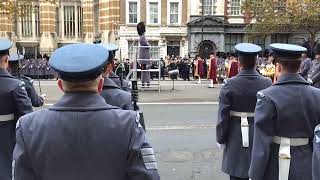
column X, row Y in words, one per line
column 236, row 178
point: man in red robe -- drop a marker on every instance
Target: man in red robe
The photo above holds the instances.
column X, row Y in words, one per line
column 200, row 67
column 213, row 68
column 234, row 66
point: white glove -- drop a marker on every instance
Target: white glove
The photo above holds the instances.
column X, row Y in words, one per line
column 221, row 146
column 310, row 81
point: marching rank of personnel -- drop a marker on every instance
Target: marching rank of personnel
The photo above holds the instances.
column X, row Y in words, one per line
column 268, row 131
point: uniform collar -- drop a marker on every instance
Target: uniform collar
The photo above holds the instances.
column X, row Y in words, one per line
column 244, row 72
column 291, row 78
column 81, row 101
column 109, row 83
column 5, row 73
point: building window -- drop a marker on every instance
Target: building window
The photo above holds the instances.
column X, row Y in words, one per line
column 132, row 50
column 96, row 18
column 231, row 40
column 208, row 7
column 37, row 20
column 174, row 12
column 69, row 21
column 154, row 12
column 173, row 48
column 154, row 50
column 235, row 7
column 57, row 21
column 26, row 21
column 133, row 12
column 80, row 21
column 280, row 38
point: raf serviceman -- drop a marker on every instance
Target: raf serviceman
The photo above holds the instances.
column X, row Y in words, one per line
column 13, row 104
column 285, row 118
column 236, row 110
column 82, row 137
column 314, row 74
column 14, row 64
column 316, row 154
column 111, row 92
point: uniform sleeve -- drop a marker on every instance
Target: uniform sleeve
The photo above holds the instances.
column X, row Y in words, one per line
column 305, row 68
column 223, row 114
column 265, row 115
column 21, row 165
column 22, row 101
column 316, row 154
column 142, row 163
column 316, row 77
column 143, row 41
column 36, row 100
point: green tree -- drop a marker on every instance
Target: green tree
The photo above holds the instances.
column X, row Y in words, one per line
column 289, row 16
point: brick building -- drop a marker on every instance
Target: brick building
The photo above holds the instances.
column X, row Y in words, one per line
column 50, row 26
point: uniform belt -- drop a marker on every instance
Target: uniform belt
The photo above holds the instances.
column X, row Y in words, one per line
column 285, row 154
column 7, row 117
column 244, row 125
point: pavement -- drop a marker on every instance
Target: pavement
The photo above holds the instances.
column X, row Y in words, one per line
column 184, row 91
column 180, row 126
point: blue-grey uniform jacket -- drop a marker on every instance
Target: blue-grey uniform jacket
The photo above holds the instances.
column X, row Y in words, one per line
column 13, row 104
column 314, row 74
column 238, row 94
column 306, row 66
column 316, row 154
column 290, row 109
column 115, row 96
column 124, row 85
column 36, row 100
column 81, row 137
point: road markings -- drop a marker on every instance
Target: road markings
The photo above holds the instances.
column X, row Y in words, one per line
column 191, row 127
column 169, row 103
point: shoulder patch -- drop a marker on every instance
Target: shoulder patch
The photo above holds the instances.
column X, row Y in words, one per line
column 149, row 158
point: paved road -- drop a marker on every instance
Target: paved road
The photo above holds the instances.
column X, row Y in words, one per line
column 182, row 132
column 184, row 140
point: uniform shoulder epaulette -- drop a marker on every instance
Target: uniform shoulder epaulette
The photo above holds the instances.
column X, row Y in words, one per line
column 28, row 79
column 317, row 134
column 225, row 82
column 22, row 85
column 260, row 94
column 138, row 120
column 317, row 128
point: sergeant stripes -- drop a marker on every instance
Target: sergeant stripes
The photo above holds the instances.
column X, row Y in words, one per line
column 148, row 158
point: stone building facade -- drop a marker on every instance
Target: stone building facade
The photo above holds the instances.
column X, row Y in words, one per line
column 218, row 25
column 166, row 26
